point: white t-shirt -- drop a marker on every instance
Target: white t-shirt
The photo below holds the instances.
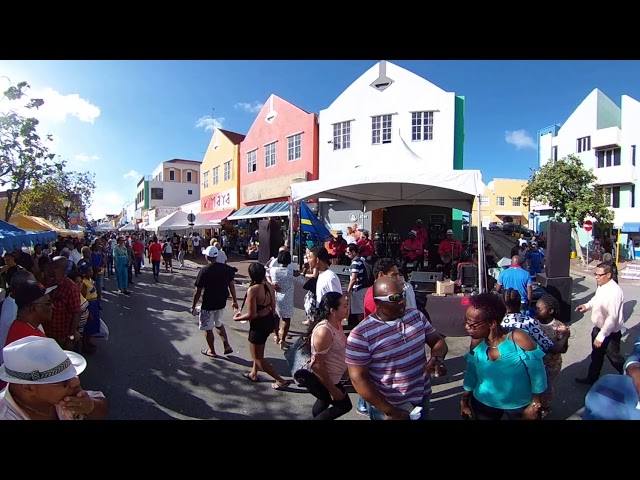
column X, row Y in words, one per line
column 75, row 256
column 327, row 282
column 350, row 239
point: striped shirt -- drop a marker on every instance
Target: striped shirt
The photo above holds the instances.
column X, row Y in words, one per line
column 395, row 354
column 357, row 267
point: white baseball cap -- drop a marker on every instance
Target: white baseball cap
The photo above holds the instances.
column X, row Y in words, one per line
column 211, row 252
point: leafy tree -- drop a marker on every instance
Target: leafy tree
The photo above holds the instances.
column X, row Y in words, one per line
column 24, row 156
column 45, row 197
column 570, row 190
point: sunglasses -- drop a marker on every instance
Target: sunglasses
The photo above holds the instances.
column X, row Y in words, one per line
column 472, row 326
column 393, row 298
column 598, row 275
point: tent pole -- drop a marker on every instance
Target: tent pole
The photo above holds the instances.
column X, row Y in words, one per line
column 481, row 258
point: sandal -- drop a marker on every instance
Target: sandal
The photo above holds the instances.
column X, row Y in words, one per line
column 276, row 339
column 248, row 376
column 277, row 386
column 228, row 350
column 208, row 353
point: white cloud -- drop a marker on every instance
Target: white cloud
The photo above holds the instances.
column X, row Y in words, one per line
column 254, row 107
column 83, row 158
column 105, row 202
column 209, row 123
column 519, row 139
column 57, row 106
column 131, row 174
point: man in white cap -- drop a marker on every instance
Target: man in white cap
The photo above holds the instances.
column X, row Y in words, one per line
column 449, row 250
column 217, row 280
column 43, row 383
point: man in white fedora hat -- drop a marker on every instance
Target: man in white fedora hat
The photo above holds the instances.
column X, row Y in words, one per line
column 43, row 383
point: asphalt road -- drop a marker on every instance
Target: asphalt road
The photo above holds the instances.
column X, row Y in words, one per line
column 151, row 366
column 501, row 243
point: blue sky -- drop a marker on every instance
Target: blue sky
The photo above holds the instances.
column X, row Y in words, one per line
column 120, row 119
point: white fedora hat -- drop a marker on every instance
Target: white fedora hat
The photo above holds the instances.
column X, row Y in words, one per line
column 39, row 360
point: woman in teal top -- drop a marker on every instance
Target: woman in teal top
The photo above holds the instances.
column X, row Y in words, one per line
column 121, row 260
column 505, row 373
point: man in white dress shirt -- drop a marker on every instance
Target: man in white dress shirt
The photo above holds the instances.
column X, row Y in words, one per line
column 608, row 319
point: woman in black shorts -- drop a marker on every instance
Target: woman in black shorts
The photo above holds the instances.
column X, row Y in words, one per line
column 261, row 306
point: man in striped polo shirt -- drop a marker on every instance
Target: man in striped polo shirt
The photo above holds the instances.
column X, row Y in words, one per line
column 386, row 355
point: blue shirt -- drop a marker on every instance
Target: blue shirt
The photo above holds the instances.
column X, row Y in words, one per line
column 535, row 260
column 517, row 278
column 508, row 382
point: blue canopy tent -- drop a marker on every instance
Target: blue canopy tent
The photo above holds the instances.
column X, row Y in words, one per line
column 12, row 237
column 309, row 223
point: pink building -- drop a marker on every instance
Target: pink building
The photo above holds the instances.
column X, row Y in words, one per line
column 280, row 148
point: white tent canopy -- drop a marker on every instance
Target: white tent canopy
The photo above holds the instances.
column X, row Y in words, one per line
column 174, row 221
column 129, row 227
column 373, row 190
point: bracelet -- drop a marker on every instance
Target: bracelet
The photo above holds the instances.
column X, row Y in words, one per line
column 93, row 406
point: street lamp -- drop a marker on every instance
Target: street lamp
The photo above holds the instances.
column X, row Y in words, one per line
column 66, row 204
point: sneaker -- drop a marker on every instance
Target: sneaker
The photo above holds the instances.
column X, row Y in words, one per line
column 362, row 411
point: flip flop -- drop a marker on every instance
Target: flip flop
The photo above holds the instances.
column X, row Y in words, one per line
column 228, row 351
column 206, row 352
column 275, row 385
column 248, row 377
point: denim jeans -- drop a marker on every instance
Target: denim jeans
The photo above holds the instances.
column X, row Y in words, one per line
column 375, row 414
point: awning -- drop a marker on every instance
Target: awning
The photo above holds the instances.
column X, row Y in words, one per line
column 630, row 227
column 27, row 222
column 210, row 219
column 278, row 209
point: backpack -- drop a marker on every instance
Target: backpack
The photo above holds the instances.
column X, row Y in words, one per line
column 367, row 277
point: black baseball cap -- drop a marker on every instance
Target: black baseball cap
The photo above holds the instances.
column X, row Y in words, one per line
column 29, row 292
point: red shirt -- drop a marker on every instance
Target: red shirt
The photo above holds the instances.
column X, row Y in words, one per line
column 369, row 303
column 368, row 249
column 337, row 247
column 66, row 304
column 412, row 248
column 155, row 252
column 138, row 249
column 20, row 329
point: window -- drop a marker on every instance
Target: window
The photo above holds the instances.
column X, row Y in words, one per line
column 381, row 129
column 554, row 154
column 172, row 175
column 608, row 158
column 500, row 201
column 294, row 147
column 421, row 126
column 341, row 135
column 189, row 177
column 189, row 192
column 252, row 161
column 515, row 202
column 215, row 175
column 157, row 194
column 484, row 201
column 270, row 155
column 205, row 179
column 584, row 144
column 227, row 171
column 612, row 196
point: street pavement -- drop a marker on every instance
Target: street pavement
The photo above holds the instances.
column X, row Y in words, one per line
column 151, row 366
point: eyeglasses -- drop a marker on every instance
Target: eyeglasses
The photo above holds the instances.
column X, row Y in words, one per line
column 393, row 298
column 472, row 326
column 598, row 275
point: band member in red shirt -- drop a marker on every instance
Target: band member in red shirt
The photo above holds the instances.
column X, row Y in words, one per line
column 365, row 245
column 421, row 232
column 449, row 250
column 337, row 249
column 412, row 250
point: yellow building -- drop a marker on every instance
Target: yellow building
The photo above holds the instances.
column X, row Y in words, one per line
column 502, row 201
column 220, row 192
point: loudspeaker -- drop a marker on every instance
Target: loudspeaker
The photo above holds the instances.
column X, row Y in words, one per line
column 561, row 288
column 558, row 249
column 425, row 281
column 270, row 236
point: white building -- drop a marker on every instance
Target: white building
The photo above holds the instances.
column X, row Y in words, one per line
column 604, row 136
column 171, row 184
column 388, row 108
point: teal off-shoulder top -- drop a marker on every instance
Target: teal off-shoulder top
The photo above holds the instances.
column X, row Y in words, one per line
column 508, row 382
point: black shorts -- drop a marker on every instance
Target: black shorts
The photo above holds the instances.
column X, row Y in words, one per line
column 260, row 328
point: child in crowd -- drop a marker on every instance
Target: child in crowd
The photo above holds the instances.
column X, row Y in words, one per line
column 547, row 308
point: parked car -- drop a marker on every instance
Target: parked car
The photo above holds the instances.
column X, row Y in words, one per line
column 495, row 226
